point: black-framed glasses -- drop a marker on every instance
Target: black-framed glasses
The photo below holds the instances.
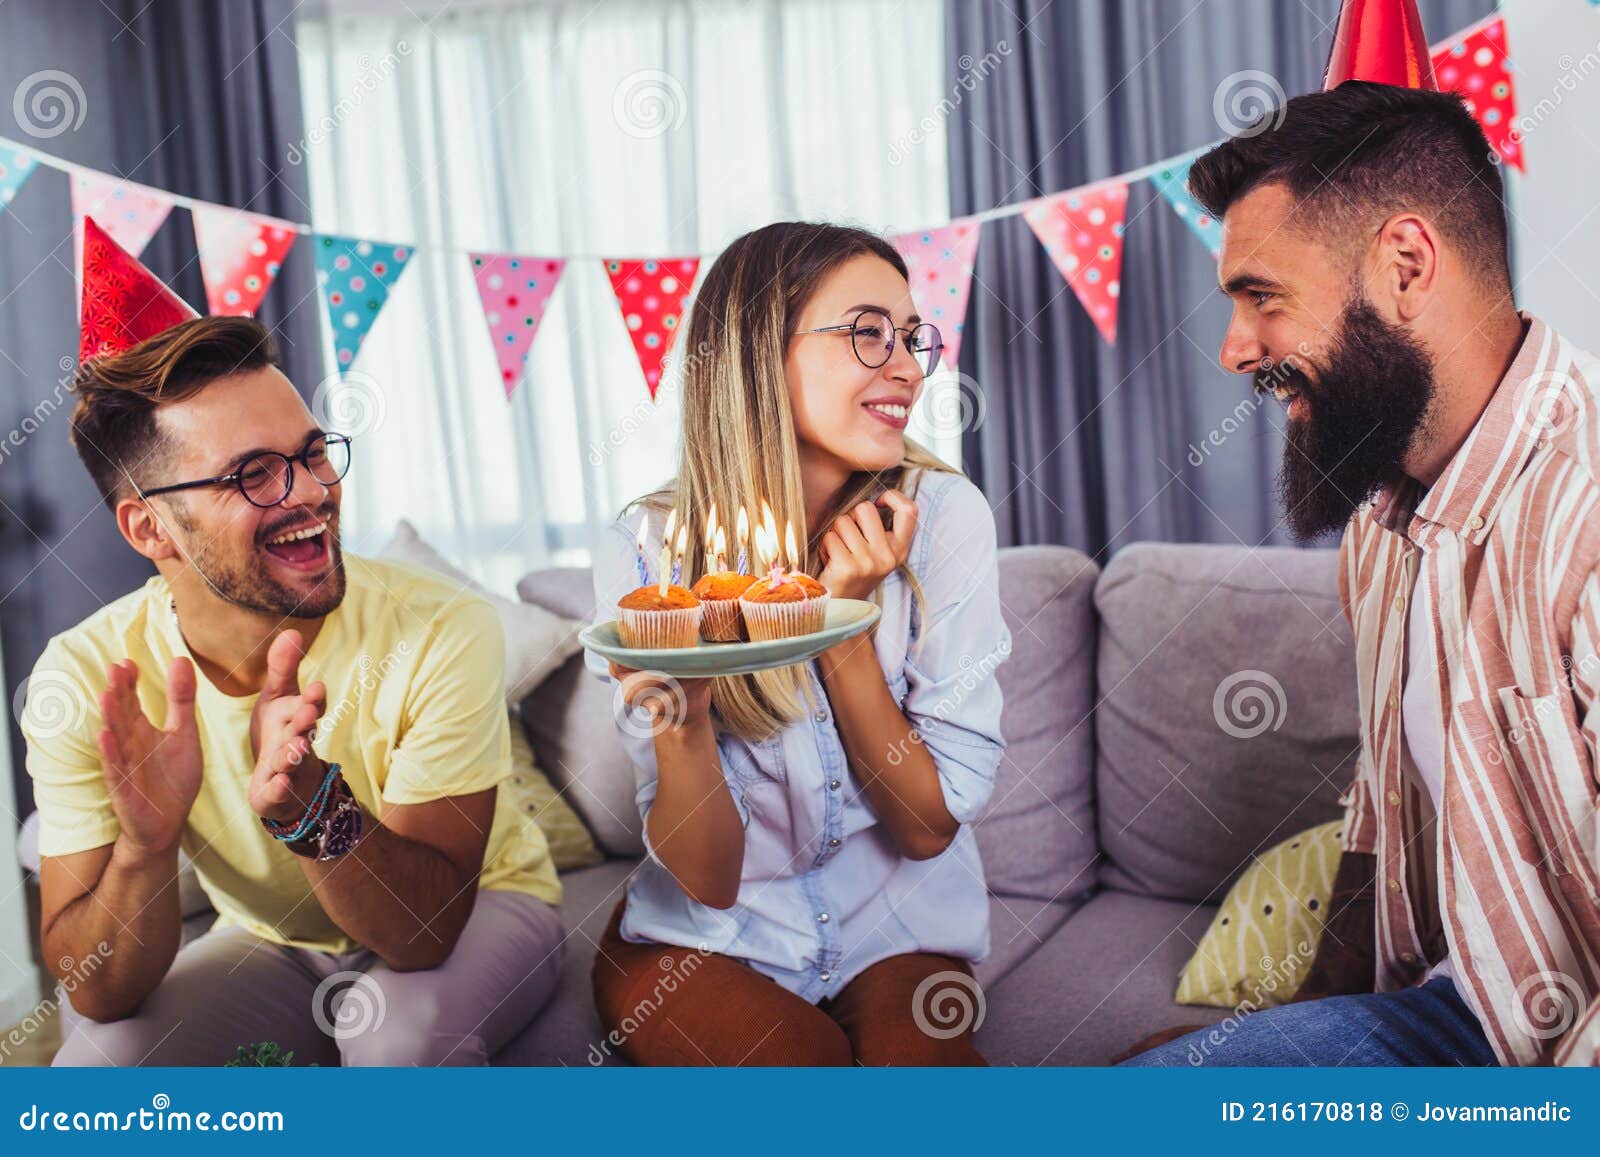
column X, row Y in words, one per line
column 872, row 337
column 266, row 479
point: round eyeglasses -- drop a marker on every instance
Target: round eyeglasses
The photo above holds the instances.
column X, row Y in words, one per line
column 873, row 335
column 267, row 478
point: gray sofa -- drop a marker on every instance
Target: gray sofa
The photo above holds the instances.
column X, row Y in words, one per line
column 1166, row 720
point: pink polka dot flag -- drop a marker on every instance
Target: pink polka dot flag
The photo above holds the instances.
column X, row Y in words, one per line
column 515, row 290
column 939, row 261
column 1474, row 64
column 1081, row 230
column 652, row 293
column 240, row 255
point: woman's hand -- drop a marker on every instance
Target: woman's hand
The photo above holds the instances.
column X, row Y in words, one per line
column 858, row 553
column 671, row 703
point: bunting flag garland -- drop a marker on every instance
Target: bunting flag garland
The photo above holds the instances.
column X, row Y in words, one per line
column 16, row 166
column 515, row 290
column 1172, row 182
column 129, row 213
column 940, row 262
column 240, row 254
column 1474, row 64
column 356, row 277
column 1081, row 230
column 652, row 294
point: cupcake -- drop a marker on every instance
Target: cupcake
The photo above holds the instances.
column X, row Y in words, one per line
column 659, row 618
column 722, row 621
column 783, row 604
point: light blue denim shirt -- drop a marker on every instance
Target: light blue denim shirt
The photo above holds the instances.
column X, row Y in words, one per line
column 824, row 893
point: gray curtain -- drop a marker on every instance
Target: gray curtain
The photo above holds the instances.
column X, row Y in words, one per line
column 1083, row 443
column 187, row 95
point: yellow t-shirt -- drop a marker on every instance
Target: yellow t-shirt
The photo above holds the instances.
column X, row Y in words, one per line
column 416, row 711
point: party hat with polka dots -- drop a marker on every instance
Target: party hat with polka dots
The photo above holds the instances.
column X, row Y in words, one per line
column 240, row 255
column 356, row 276
column 1081, row 230
column 652, row 293
column 515, row 290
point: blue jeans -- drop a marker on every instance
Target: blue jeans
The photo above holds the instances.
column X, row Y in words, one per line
column 1430, row 1025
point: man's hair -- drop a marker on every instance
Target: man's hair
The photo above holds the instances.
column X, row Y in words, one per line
column 114, row 425
column 1357, row 155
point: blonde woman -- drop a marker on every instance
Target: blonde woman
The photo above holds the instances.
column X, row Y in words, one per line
column 812, row 882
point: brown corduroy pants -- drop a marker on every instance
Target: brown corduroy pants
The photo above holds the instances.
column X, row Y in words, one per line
column 662, row 1005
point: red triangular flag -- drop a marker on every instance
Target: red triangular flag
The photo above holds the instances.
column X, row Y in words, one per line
column 652, row 293
column 1081, row 230
column 1473, row 63
column 123, row 302
column 240, row 254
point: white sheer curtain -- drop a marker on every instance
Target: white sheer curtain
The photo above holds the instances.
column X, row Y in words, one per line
column 629, row 130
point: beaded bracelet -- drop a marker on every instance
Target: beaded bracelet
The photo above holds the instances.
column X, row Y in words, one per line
column 291, row 833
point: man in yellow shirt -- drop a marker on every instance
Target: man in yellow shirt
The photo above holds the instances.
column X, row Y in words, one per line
column 322, row 736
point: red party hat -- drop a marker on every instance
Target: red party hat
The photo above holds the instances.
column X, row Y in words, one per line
column 123, row 302
column 1380, row 41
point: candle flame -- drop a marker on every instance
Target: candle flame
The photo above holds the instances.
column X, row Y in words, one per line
column 744, row 526
column 644, row 530
column 791, row 554
column 720, row 543
column 768, row 524
column 683, row 541
column 672, row 521
column 711, row 527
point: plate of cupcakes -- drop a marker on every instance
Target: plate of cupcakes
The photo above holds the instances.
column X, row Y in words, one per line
column 728, row 622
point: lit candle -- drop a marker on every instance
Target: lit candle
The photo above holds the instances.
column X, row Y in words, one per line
column 721, row 552
column 711, row 541
column 638, row 558
column 744, row 540
column 793, row 555
column 677, row 558
column 663, row 566
column 769, row 525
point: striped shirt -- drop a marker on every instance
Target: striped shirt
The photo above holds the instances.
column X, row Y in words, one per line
column 1506, row 878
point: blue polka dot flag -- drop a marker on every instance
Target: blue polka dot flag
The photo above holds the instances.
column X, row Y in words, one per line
column 1172, row 182
column 356, row 276
column 16, row 166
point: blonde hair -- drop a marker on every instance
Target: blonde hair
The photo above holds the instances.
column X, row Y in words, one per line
column 737, row 443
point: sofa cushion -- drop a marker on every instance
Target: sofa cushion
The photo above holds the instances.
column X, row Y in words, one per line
column 571, row 723
column 1227, row 718
column 1101, row 983
column 567, row 1031
column 537, row 642
column 1037, row 834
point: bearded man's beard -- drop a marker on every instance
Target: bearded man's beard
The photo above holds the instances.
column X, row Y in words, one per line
column 245, row 583
column 1361, row 415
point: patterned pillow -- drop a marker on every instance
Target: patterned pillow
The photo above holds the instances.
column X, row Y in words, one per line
column 1259, row 947
column 571, row 845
